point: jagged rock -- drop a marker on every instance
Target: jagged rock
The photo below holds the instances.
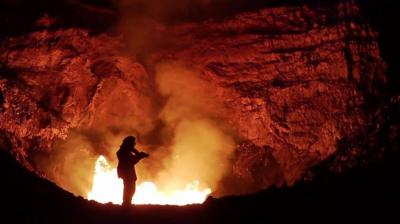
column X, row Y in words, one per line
column 54, row 81
column 293, row 81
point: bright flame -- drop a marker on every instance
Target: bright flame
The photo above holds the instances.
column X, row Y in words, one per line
column 107, row 187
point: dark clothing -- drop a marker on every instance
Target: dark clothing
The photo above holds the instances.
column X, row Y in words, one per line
column 128, row 157
column 126, row 165
column 129, row 191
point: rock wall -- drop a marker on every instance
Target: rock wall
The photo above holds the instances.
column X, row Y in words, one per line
column 292, row 79
column 54, row 81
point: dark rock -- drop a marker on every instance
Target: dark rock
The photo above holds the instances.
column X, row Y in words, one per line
column 293, row 82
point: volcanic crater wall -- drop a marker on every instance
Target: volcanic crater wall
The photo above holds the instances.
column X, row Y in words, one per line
column 292, row 82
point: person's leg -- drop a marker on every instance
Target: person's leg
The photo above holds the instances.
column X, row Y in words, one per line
column 126, row 193
column 129, row 191
column 133, row 188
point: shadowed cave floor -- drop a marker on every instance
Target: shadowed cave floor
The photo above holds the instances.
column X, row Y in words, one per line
column 361, row 194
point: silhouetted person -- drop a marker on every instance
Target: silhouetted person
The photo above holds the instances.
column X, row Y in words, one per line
column 128, row 156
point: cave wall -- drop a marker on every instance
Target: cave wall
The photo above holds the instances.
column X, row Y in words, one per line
column 55, row 81
column 293, row 80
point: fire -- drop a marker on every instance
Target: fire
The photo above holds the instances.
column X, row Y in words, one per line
column 107, row 187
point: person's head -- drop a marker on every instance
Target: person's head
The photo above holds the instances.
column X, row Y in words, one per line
column 128, row 142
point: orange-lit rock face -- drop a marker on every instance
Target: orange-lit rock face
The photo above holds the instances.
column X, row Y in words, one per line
column 289, row 83
column 294, row 82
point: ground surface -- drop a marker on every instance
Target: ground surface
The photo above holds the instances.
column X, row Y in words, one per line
column 357, row 195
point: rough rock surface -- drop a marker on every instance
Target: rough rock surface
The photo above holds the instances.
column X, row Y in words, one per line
column 54, row 81
column 294, row 82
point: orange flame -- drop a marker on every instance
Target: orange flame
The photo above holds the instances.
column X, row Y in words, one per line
column 107, row 187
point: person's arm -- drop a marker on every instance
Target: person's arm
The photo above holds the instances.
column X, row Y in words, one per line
column 139, row 154
column 134, row 150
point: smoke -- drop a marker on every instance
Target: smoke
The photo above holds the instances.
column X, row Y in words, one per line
column 120, row 108
column 69, row 164
column 142, row 20
column 201, row 146
column 181, row 129
column 176, row 11
column 171, row 113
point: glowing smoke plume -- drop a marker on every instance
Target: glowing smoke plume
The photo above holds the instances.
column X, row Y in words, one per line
column 199, row 151
column 200, row 148
column 193, row 144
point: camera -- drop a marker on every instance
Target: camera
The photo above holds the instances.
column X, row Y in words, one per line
column 143, row 154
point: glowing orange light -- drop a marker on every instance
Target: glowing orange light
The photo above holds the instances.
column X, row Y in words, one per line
column 107, row 187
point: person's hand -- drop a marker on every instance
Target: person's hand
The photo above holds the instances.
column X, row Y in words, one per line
column 143, row 154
